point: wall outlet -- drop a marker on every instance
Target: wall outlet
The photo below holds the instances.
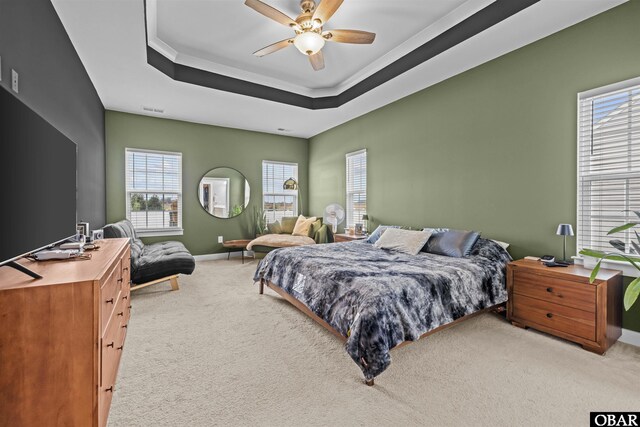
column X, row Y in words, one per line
column 14, row 80
column 220, row 239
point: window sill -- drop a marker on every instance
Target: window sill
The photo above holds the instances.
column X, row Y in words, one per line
column 160, row 233
column 590, row 262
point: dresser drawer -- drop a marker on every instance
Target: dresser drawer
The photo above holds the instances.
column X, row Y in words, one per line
column 564, row 292
column 559, row 317
column 110, row 356
column 109, row 296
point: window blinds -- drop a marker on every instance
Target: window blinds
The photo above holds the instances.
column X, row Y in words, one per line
column 608, row 165
column 154, row 189
column 276, row 201
column 356, row 187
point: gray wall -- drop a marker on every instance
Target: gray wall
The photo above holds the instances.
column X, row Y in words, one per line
column 55, row 84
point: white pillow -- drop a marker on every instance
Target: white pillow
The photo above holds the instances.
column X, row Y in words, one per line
column 407, row 241
column 503, row 244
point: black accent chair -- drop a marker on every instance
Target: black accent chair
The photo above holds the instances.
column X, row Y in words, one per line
column 154, row 263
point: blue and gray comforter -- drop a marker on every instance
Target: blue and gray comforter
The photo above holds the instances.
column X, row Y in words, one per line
column 378, row 298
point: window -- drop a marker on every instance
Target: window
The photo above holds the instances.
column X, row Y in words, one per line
column 608, row 163
column 154, row 191
column 276, row 201
column 356, row 187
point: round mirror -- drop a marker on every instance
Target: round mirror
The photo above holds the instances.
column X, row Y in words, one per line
column 224, row 192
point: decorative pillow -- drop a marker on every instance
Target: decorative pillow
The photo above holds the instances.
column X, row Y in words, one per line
column 287, row 224
column 453, row 243
column 378, row 232
column 303, row 225
column 407, row 241
column 504, row 245
column 274, row 228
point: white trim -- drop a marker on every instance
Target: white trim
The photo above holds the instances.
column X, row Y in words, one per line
column 222, row 255
column 590, row 262
column 159, row 233
column 630, row 337
column 609, row 88
column 145, row 150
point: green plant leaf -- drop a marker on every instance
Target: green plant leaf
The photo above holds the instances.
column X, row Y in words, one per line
column 636, row 247
column 632, row 293
column 622, row 228
column 595, row 271
column 635, row 212
column 618, row 244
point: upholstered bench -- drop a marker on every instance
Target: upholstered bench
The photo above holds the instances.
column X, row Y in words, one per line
column 154, row 263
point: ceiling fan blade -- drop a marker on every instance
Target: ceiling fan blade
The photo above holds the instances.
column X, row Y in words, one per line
column 349, row 36
column 271, row 12
column 326, row 9
column 273, row 47
column 317, row 61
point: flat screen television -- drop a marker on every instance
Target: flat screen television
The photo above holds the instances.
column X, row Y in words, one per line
column 38, row 180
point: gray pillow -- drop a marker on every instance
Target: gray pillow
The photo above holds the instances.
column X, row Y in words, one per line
column 378, row 232
column 453, row 243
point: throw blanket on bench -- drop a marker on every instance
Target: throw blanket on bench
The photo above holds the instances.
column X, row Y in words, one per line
column 280, row 241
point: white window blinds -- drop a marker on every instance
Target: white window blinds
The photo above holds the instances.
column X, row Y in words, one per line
column 608, row 164
column 154, row 190
column 276, row 201
column 356, row 187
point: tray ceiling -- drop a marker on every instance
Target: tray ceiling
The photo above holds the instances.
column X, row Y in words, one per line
column 110, row 38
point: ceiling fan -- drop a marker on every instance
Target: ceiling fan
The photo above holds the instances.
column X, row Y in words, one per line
column 308, row 26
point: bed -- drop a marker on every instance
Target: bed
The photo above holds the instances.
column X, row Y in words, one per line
column 376, row 299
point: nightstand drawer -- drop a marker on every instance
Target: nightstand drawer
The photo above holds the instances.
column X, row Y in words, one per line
column 558, row 291
column 559, row 317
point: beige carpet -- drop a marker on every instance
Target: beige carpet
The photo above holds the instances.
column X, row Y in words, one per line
column 217, row 353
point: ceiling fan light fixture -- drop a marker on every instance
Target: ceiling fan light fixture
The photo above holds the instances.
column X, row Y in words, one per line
column 309, row 43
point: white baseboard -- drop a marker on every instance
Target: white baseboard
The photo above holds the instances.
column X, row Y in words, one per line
column 222, row 255
column 630, row 337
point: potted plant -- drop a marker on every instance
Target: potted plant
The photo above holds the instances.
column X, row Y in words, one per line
column 260, row 221
column 633, row 290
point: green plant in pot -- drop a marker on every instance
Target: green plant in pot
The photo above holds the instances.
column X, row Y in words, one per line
column 633, row 290
column 260, row 221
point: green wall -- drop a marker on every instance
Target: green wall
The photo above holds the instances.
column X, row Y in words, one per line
column 203, row 148
column 492, row 149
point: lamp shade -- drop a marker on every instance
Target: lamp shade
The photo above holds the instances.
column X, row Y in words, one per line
column 290, row 184
column 365, row 217
column 564, row 230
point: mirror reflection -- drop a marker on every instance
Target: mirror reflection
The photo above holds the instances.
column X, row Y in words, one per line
column 224, row 192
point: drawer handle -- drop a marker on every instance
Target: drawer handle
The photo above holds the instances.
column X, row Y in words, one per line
column 125, row 326
column 121, row 347
column 111, row 389
column 120, row 280
column 109, row 301
column 110, row 345
column 129, row 307
column 125, row 269
column 549, row 290
column 549, row 315
column 125, row 297
column 121, row 313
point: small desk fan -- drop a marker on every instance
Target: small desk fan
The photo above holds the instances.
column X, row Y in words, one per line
column 334, row 215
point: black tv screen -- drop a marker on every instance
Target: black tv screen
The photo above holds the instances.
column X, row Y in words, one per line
column 38, row 176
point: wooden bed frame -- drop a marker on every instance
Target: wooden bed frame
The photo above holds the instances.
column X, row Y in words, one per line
column 498, row 308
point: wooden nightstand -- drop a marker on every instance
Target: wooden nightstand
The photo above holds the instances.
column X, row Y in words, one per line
column 342, row 237
column 561, row 301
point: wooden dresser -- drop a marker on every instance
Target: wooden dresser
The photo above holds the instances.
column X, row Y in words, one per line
column 561, row 301
column 61, row 338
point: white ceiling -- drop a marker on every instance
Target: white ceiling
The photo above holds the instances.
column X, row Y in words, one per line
column 220, row 35
column 225, row 33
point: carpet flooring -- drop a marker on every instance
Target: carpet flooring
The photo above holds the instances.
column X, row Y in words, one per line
column 218, row 353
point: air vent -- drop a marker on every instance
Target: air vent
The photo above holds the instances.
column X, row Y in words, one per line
column 153, row 110
column 284, row 130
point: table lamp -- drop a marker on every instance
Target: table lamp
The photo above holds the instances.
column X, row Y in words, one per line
column 565, row 230
column 365, row 219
